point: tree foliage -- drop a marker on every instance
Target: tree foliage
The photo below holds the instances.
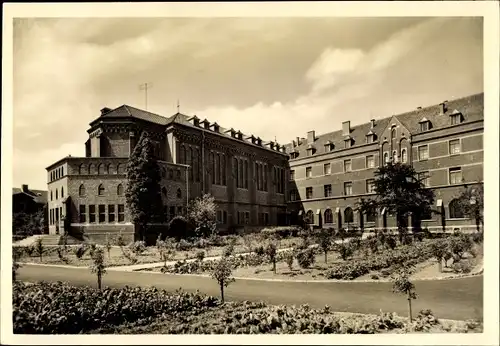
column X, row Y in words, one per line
column 98, row 266
column 28, row 224
column 271, row 252
column 143, row 194
column 222, row 274
column 202, row 212
column 471, row 203
column 401, row 284
column 325, row 240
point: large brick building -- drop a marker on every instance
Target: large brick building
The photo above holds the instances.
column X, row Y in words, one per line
column 256, row 183
column 246, row 176
column 331, row 172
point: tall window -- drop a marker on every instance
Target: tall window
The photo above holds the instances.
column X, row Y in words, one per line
column 223, row 169
column 310, row 217
column 348, row 188
column 348, row 215
column 102, row 213
column 394, row 156
column 240, row 171
column 82, row 169
column 217, row 168
column 62, row 192
column 454, row 146
column 423, row 152
column 119, row 190
column 328, row 216
column 404, row 155
column 52, row 195
column 386, row 158
column 370, row 161
column 327, row 169
column 92, row 213
column 369, row 138
column 308, row 172
column 163, row 173
column 100, row 190
column 424, row 177
column 83, row 213
column 246, row 174
column 57, row 191
column 393, row 133
column 292, row 174
column 179, row 193
column 121, row 213
column 370, row 186
column 455, row 210
column 293, row 195
column 120, row 168
column 110, row 169
column 111, row 213
column 309, row 192
column 164, row 191
column 455, row 175
column 347, row 143
column 328, row 190
column 91, row 168
column 347, row 165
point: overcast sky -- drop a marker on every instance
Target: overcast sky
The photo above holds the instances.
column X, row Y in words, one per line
column 270, row 77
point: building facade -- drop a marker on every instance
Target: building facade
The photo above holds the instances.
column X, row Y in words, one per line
column 246, row 176
column 331, row 172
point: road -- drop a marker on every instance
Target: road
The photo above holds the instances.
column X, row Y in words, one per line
column 458, row 299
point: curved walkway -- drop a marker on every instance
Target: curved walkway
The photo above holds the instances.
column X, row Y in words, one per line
column 458, row 299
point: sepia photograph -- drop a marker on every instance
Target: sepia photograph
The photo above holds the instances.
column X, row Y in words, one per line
column 182, row 171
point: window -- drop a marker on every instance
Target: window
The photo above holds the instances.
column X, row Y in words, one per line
column 327, row 169
column 179, row 193
column 309, row 192
column 266, row 219
column 110, row 169
column 454, row 146
column 393, row 133
column 370, row 186
column 328, row 147
column 328, row 216
column 424, row 126
column 245, row 170
column 347, row 188
column 219, row 216
column 456, row 211
column 119, row 190
column 111, row 213
column 83, row 213
column 81, row 169
column 369, row 138
column 293, row 195
column 101, row 169
column 120, row 168
column 308, row 172
column 348, row 215
column 394, row 156
column 92, row 213
column 347, row 143
column 247, row 218
column 370, row 161
column 310, row 217
column 121, row 213
column 57, row 191
column 328, row 190
column 62, row 192
column 455, row 176
column 347, row 165
column 100, row 190
column 424, row 178
column 423, row 152
column 178, row 174
column 371, row 215
column 456, row 118
column 404, row 155
column 57, row 214
column 292, row 174
column 310, row 151
column 224, row 217
column 102, row 213
column 51, row 196
column 386, row 158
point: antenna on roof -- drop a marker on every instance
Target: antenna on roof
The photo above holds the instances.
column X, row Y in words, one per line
column 145, row 87
column 178, row 106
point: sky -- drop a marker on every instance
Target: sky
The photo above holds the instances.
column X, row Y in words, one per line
column 271, row 77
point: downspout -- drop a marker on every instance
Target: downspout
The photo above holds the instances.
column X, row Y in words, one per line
column 202, row 162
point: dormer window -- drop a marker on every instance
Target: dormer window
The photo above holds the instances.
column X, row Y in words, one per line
column 294, row 154
column 206, row 124
column 348, row 142
column 425, row 125
column 370, row 137
column 239, row 135
column 310, row 150
column 328, row 146
column 258, row 141
column 195, row 120
column 232, row 132
column 215, row 127
column 456, row 117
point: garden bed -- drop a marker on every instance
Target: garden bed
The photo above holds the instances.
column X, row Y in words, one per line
column 58, row 308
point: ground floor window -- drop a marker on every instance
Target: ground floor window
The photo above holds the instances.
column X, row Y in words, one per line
column 328, row 216
column 310, row 217
column 92, row 213
column 102, row 213
column 111, row 213
column 83, row 213
column 121, row 213
column 455, row 209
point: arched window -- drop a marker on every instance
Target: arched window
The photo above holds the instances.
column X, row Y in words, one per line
column 456, row 211
column 51, row 196
column 386, row 158
column 120, row 168
column 101, row 169
column 179, row 193
column 394, row 156
column 51, row 176
column 246, row 174
column 217, row 169
column 196, row 172
column 81, row 190
column 91, row 168
column 119, row 190
column 240, row 172
column 310, row 217
column 371, row 215
column 404, row 155
column 223, row 168
column 100, row 190
column 348, row 215
column 164, row 191
column 393, row 133
column 56, row 194
column 182, row 157
column 62, row 192
column 328, row 216
column 82, row 169
column 235, row 168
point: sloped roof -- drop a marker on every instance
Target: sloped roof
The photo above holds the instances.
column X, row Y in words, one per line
column 39, row 196
column 125, row 111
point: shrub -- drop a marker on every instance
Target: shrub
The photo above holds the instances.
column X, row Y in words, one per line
column 280, row 232
column 345, row 251
column 183, row 245
column 138, row 247
column 61, row 253
column 216, row 240
column 271, row 251
column 462, row 267
column 108, row 245
column 305, row 258
column 120, row 241
column 129, row 255
column 325, row 239
column 92, row 248
column 178, row 228
column 228, row 250
column 80, row 251
column 289, row 257
column 200, row 255
column 374, row 277
column 401, row 284
column 391, row 243
column 477, row 237
column 259, row 250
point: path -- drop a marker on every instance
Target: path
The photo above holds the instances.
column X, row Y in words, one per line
column 458, row 299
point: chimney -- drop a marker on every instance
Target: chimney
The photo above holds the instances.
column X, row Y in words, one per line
column 310, row 137
column 419, row 107
column 346, row 128
column 105, row 110
column 373, row 123
column 294, row 144
column 442, row 107
column 297, row 140
column 25, row 188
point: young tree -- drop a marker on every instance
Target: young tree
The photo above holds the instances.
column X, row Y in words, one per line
column 143, row 192
column 325, row 241
column 202, row 213
column 438, row 251
column 289, row 257
column 98, row 266
column 271, row 252
column 222, row 274
column 471, row 203
column 39, row 248
column 401, row 284
column 165, row 249
column 400, row 193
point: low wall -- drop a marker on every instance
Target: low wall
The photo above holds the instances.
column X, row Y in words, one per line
column 100, row 233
